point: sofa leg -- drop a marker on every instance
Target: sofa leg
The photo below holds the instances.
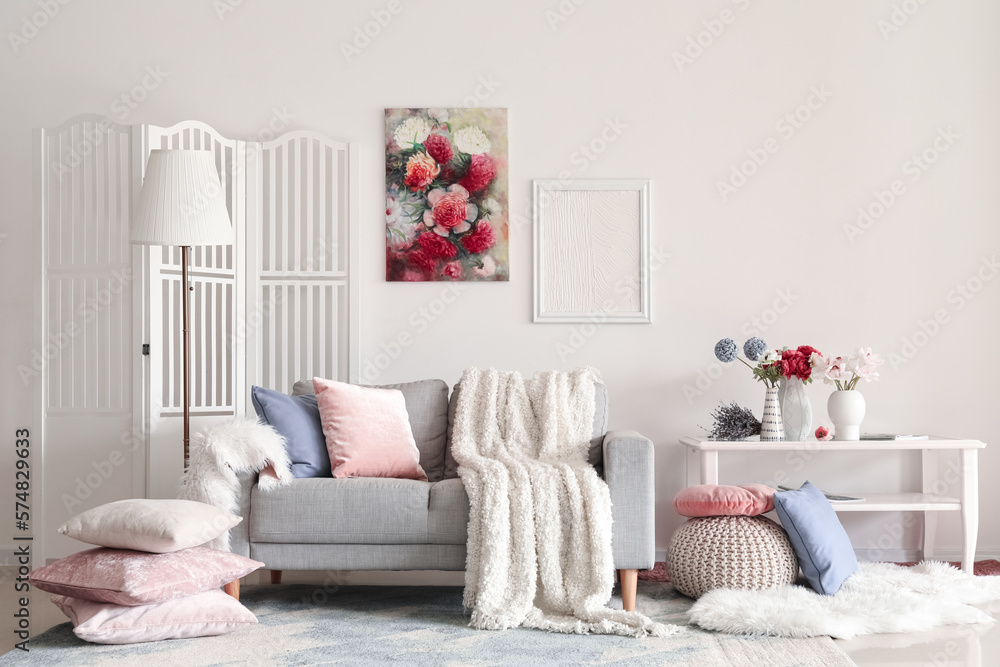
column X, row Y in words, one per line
column 275, row 576
column 629, row 580
column 233, row 589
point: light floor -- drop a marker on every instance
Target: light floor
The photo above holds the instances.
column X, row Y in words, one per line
column 954, row 646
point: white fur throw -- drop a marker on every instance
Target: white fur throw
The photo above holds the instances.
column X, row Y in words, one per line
column 218, row 454
column 539, row 545
column 879, row 597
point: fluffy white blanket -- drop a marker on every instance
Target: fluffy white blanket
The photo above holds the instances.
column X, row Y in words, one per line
column 880, row 597
column 218, row 454
column 539, row 545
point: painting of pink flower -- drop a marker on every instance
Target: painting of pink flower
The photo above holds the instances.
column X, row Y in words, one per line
column 446, row 194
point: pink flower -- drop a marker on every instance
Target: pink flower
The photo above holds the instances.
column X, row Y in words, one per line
column 439, row 148
column 480, row 173
column 412, row 276
column 836, row 369
column 451, row 211
column 488, row 268
column 420, row 171
column 823, row 433
column 453, row 270
column 480, row 240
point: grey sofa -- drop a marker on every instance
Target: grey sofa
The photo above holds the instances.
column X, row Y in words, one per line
column 403, row 524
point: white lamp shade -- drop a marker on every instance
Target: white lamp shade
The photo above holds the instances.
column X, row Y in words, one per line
column 181, row 202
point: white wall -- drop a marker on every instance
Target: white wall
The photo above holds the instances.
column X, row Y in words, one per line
column 727, row 262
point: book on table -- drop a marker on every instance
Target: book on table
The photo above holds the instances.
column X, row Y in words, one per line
column 891, row 436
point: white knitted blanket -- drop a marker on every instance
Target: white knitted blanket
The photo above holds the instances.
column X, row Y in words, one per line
column 539, row 545
column 220, row 453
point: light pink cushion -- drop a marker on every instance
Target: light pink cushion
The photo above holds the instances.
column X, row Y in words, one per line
column 367, row 431
column 201, row 615
column 715, row 500
column 136, row 577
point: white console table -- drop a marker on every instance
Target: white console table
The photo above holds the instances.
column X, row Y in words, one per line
column 703, row 455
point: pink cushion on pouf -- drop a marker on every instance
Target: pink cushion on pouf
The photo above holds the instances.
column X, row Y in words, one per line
column 717, row 500
column 367, row 431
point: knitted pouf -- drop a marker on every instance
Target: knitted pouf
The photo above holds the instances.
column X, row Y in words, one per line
column 748, row 552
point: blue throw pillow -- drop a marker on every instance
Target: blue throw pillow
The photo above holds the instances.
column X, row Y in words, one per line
column 821, row 544
column 297, row 419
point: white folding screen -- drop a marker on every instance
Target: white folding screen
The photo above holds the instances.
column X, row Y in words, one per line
column 279, row 305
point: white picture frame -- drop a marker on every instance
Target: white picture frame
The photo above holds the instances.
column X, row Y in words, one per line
column 591, row 251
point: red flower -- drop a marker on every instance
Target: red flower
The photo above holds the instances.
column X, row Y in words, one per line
column 420, row 171
column 436, row 246
column 421, row 260
column 795, row 364
column 453, row 270
column 439, row 148
column 480, row 240
column 807, row 350
column 480, row 173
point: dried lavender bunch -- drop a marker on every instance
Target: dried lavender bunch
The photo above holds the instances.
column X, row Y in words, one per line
column 732, row 422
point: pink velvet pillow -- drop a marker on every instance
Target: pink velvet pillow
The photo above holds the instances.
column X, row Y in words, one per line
column 201, row 615
column 715, row 500
column 137, row 578
column 367, row 431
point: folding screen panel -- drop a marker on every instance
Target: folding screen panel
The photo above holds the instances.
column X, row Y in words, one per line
column 82, row 366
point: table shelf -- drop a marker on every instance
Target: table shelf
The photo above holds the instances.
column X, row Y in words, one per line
column 898, row 502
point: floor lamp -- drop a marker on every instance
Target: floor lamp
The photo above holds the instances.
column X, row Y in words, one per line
column 182, row 203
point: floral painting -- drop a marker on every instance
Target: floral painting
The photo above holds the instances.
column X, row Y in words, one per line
column 446, row 194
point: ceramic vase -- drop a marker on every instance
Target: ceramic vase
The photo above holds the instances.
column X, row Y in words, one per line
column 847, row 410
column 770, row 425
column 796, row 411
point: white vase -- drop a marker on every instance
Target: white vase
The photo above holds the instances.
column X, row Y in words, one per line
column 847, row 410
column 796, row 411
column 770, row 425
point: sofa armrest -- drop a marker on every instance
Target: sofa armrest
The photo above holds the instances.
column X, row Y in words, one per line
column 239, row 535
column 628, row 470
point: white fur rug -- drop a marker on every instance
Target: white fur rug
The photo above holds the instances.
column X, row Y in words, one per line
column 539, row 546
column 879, row 598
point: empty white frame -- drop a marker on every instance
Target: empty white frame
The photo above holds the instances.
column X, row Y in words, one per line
column 592, row 251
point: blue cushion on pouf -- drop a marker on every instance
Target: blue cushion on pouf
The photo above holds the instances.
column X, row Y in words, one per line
column 821, row 544
column 296, row 418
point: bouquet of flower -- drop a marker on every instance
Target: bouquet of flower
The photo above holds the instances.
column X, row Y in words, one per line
column 845, row 372
column 442, row 219
column 772, row 365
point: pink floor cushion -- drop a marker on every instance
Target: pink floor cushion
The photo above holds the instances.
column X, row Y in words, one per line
column 138, row 578
column 201, row 615
column 720, row 500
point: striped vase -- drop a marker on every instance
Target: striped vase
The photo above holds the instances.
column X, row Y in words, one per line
column 770, row 425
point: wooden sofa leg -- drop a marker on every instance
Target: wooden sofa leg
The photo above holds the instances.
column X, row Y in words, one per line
column 233, row 589
column 275, row 576
column 629, row 580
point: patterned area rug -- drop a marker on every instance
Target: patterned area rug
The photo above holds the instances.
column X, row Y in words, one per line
column 374, row 625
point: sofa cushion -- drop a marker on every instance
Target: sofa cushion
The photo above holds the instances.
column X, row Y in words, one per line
column 351, row 510
column 427, row 407
column 296, row 419
column 448, row 515
column 596, row 444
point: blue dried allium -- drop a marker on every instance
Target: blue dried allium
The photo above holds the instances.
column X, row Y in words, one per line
column 726, row 350
column 753, row 348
